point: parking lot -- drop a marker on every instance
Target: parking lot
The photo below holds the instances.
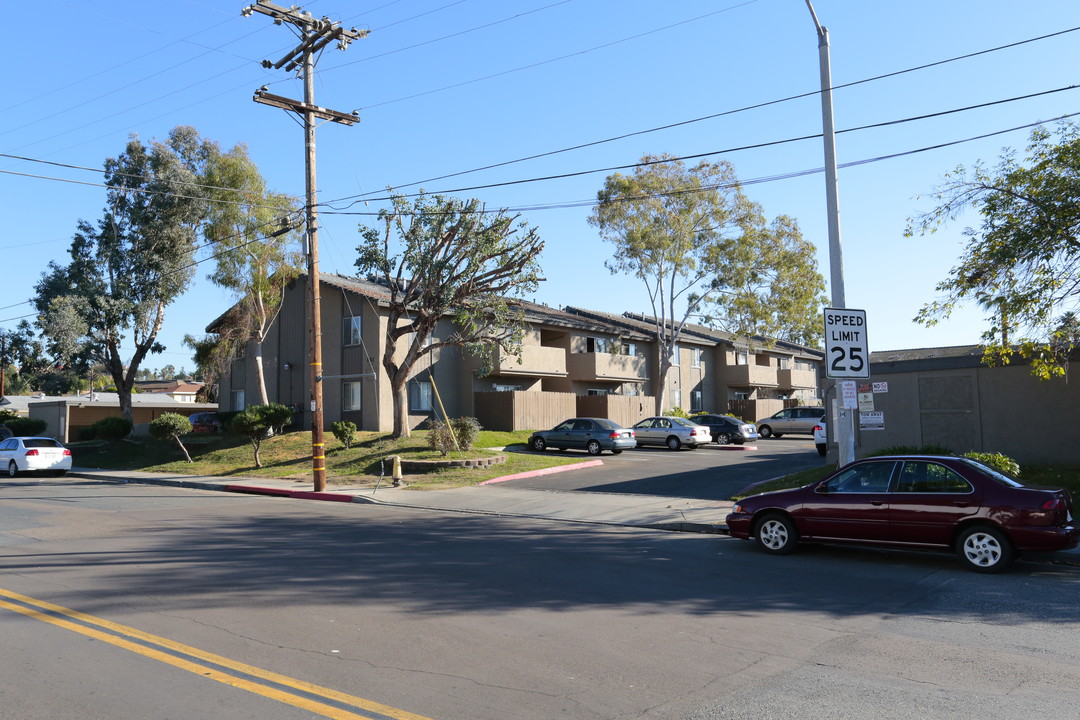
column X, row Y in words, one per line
column 712, row 472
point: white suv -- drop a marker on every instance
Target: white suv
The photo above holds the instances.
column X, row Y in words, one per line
column 799, row 420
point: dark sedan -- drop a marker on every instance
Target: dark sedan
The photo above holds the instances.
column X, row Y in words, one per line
column 594, row 435
column 727, row 429
column 934, row 502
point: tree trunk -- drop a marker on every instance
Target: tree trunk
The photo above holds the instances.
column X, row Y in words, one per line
column 186, row 453
column 401, row 409
column 661, row 389
column 260, row 376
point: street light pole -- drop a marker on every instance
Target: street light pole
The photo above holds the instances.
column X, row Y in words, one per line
column 844, row 426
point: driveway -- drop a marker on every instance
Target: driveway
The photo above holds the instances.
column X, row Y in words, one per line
column 711, row 472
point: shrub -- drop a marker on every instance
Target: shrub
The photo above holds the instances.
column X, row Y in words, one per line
column 912, row 450
column 345, row 432
column 467, row 430
column 259, row 422
column 677, row 412
column 1001, row 463
column 26, row 427
column 440, row 438
column 112, row 428
column 172, row 426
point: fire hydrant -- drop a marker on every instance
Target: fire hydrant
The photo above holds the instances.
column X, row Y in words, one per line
column 395, row 473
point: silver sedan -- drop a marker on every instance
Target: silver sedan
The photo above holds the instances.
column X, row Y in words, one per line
column 674, row 432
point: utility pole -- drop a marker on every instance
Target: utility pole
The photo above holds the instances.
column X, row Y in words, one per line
column 844, row 427
column 315, row 35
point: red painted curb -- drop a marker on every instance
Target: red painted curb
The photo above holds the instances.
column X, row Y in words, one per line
column 543, row 471
column 283, row 492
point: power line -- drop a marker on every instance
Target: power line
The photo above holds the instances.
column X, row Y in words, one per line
column 710, row 153
column 752, row 181
column 723, row 113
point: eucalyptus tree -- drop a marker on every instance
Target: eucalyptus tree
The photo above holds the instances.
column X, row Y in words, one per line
column 256, row 247
column 704, row 250
column 443, row 257
column 125, row 269
column 1022, row 264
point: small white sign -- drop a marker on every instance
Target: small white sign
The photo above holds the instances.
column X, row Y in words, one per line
column 847, row 354
column 872, row 420
column 881, row 387
column 849, row 395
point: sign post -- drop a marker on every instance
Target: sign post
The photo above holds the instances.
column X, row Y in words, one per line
column 847, row 356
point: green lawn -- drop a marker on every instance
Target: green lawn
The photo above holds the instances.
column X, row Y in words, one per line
column 288, row 456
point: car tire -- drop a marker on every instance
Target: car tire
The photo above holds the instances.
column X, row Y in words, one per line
column 59, row 473
column 673, row 443
column 984, row 549
column 721, row 438
column 765, row 431
column 777, row 435
column 821, row 449
column 616, row 452
column 12, row 469
column 775, row 534
column 593, row 447
column 538, row 444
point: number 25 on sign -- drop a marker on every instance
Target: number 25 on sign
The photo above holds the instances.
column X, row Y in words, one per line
column 846, row 352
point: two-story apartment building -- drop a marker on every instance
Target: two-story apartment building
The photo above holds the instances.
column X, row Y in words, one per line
column 573, row 362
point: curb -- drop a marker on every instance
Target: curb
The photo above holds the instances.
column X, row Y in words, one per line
column 543, row 471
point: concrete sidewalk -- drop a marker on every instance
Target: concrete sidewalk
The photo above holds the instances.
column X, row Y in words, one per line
column 644, row 511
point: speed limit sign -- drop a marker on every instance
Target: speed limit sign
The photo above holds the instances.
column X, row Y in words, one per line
column 846, row 352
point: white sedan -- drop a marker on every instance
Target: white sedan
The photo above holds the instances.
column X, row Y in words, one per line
column 34, row 454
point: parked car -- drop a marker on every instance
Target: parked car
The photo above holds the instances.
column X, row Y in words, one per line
column 727, row 429
column 674, row 432
column 947, row 503
column 34, row 454
column 799, row 420
column 593, row 434
column 820, row 438
column 205, row 422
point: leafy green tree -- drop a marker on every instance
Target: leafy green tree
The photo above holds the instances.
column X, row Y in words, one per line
column 126, row 269
column 256, row 248
column 450, row 258
column 704, row 250
column 1022, row 264
column 170, row 426
column 345, row 432
column 258, row 422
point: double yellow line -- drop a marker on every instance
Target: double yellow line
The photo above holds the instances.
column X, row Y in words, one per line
column 306, row 696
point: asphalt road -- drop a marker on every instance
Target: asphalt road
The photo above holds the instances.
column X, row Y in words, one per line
column 132, row 602
column 711, row 472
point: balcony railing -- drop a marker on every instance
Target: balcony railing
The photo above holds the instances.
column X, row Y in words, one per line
column 749, row 376
column 796, row 378
column 605, row 366
column 535, row 361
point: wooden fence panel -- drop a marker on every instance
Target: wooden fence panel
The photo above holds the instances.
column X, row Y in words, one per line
column 523, row 410
column 622, row 409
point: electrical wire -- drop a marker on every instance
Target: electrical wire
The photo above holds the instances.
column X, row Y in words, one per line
column 725, row 151
column 724, row 113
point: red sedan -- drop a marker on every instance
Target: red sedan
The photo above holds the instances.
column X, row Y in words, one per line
column 933, row 502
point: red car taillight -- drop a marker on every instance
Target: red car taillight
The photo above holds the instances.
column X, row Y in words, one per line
column 1059, row 507
column 67, row 453
column 32, row 452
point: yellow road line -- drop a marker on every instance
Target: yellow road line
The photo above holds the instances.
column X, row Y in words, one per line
column 204, row 670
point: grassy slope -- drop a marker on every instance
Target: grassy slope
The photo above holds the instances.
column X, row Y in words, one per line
column 289, row 457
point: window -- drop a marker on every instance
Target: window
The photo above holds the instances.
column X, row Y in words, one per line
column 784, row 363
column 351, row 396
column 631, row 389
column 867, row 478
column 598, row 391
column 420, row 396
column 676, row 398
column 741, row 358
column 695, row 357
column 631, row 349
column 350, row 334
column 237, row 400
column 695, row 401
column 927, row 477
column 505, row 388
column 597, row 344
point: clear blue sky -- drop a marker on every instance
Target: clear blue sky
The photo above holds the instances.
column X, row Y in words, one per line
column 445, row 87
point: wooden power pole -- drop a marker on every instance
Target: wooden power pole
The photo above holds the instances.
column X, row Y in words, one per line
column 315, row 34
